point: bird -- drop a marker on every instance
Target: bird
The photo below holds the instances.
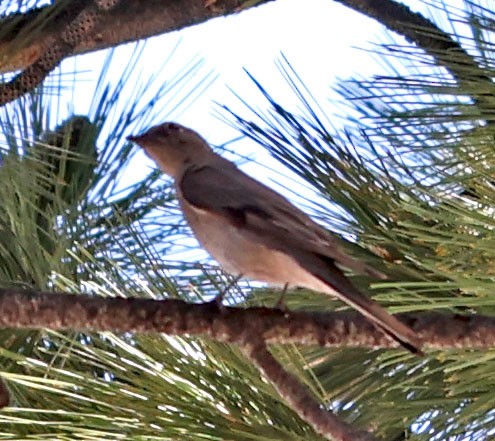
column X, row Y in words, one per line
column 254, row 232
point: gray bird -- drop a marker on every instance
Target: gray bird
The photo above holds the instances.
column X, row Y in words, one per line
column 255, row 232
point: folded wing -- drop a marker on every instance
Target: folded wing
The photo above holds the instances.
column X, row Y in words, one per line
column 270, row 217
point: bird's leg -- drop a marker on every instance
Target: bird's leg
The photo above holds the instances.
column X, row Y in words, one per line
column 281, row 300
column 219, row 297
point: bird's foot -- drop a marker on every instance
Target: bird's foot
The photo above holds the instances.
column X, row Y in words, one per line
column 219, row 298
column 217, row 302
column 281, row 300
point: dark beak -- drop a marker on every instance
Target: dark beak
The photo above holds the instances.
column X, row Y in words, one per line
column 133, row 138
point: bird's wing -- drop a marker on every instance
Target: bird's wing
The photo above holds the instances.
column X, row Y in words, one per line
column 262, row 213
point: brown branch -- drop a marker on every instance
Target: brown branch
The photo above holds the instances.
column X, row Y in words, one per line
column 71, row 35
column 131, row 20
column 250, row 328
column 301, row 401
column 440, row 45
column 63, row 311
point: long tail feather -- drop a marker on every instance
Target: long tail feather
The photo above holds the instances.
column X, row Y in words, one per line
column 343, row 288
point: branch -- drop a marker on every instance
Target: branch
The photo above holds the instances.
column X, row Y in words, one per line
column 301, row 401
column 250, row 328
column 131, row 20
column 64, row 311
column 440, row 45
column 70, row 36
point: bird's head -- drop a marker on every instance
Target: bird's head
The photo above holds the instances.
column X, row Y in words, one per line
column 173, row 147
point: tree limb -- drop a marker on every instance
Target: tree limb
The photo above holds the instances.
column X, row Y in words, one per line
column 250, row 328
column 301, row 401
column 426, row 35
column 64, row 311
column 70, row 36
column 131, row 20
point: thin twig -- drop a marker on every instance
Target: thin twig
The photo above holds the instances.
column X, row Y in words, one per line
column 4, row 394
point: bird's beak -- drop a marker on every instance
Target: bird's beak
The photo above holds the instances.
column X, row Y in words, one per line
column 134, row 138
column 142, row 140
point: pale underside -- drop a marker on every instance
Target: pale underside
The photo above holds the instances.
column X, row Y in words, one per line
column 241, row 256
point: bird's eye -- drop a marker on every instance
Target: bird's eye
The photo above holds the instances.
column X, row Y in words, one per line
column 173, row 126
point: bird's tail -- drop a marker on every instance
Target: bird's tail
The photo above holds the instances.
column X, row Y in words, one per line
column 342, row 288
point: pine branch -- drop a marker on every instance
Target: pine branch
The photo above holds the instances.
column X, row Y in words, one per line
column 63, row 311
column 302, row 402
column 131, row 20
column 69, row 155
column 426, row 35
column 70, row 36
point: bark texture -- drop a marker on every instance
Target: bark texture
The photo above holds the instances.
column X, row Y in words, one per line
column 130, row 20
